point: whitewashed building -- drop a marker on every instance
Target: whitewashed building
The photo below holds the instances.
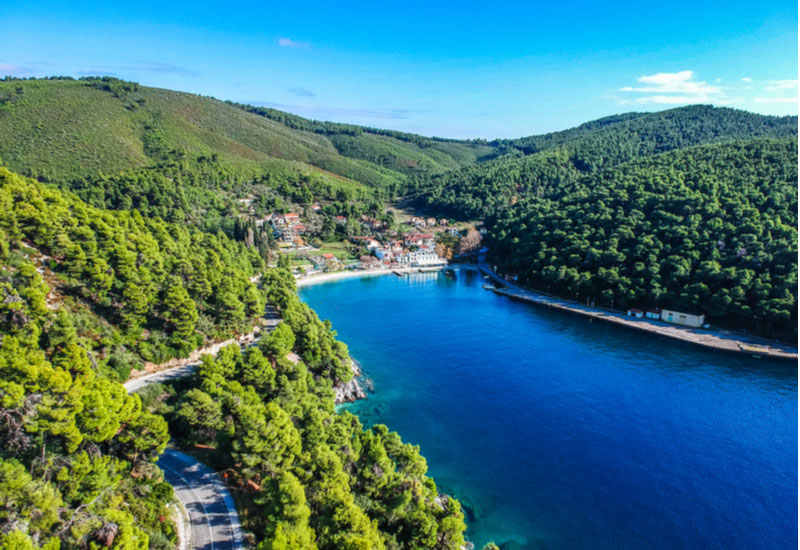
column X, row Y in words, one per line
column 685, row 319
column 425, row 258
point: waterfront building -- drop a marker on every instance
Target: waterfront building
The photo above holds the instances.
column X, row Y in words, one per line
column 685, row 319
column 653, row 313
column 425, row 258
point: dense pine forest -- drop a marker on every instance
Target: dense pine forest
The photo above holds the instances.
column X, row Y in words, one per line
column 630, row 211
column 538, row 165
column 88, row 294
column 711, row 229
column 123, row 241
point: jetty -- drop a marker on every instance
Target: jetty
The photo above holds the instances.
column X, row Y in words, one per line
column 713, row 339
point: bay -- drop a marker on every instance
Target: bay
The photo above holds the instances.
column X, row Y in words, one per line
column 555, row 432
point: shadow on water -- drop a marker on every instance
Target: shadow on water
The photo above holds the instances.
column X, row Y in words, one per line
column 659, row 352
column 557, row 432
column 655, row 351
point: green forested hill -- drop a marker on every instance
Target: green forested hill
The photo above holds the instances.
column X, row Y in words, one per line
column 537, row 165
column 63, row 128
column 142, row 288
column 84, row 295
column 611, row 140
column 692, row 208
column 399, row 151
column 711, row 229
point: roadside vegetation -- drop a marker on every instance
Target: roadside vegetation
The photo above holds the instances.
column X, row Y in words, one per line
column 137, row 224
column 309, row 477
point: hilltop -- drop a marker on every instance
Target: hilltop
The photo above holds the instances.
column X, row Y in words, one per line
column 63, row 128
column 536, row 165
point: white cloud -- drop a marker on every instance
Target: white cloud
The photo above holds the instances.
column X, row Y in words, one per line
column 776, row 91
column 683, row 88
column 674, row 89
column 302, row 92
column 321, row 112
column 289, row 43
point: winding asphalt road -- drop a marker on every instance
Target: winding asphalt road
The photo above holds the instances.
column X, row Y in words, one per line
column 214, row 522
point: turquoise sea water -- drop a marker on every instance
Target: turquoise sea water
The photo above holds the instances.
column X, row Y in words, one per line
column 560, row 433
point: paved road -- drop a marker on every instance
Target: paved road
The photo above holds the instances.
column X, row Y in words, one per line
column 177, row 372
column 271, row 319
column 214, row 523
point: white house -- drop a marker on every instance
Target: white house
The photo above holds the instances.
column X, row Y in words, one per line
column 685, row 319
column 425, row 258
column 421, row 240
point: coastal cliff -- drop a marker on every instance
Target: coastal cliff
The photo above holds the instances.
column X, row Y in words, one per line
column 350, row 391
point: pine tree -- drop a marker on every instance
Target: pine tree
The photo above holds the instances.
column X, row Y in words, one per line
column 180, row 311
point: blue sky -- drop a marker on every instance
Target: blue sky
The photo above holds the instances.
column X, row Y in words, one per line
column 454, row 69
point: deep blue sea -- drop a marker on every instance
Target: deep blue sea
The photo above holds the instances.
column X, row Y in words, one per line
column 556, row 432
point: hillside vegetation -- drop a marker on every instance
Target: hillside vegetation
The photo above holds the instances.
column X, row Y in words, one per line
column 62, row 129
column 317, row 479
column 86, row 293
column 139, row 242
column 539, row 165
column 710, row 229
column 143, row 289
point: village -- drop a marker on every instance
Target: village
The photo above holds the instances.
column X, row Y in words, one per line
column 415, row 243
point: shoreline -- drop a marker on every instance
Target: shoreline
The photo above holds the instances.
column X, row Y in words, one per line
column 354, row 274
column 709, row 339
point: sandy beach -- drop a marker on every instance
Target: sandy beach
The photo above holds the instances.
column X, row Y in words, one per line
column 339, row 275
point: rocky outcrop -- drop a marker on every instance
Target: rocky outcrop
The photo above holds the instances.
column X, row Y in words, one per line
column 350, row 391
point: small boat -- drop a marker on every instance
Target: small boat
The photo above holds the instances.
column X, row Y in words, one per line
column 489, row 287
